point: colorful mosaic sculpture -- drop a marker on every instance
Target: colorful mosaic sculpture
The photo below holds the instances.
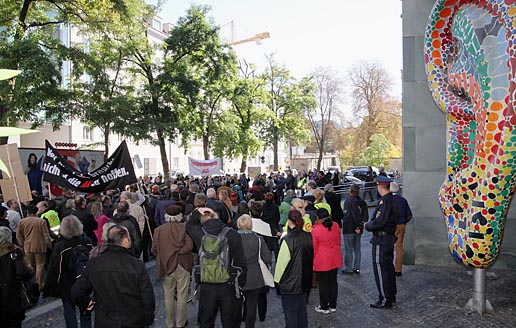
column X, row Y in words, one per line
column 470, row 56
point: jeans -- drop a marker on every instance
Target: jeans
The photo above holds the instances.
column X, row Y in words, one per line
column 294, row 309
column 178, row 281
column 71, row 317
column 352, row 253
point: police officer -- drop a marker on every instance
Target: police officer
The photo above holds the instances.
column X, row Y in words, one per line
column 383, row 227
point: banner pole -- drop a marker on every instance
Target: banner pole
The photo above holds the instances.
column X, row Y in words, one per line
column 145, row 212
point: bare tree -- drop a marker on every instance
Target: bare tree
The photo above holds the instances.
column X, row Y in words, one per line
column 328, row 93
column 370, row 84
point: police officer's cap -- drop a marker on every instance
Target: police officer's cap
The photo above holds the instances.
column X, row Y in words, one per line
column 382, row 180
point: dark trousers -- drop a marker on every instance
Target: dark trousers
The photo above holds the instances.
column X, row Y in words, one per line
column 215, row 297
column 294, row 309
column 262, row 303
column 250, row 306
column 328, row 289
column 71, row 317
column 383, row 256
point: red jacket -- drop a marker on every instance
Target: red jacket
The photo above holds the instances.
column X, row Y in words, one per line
column 327, row 252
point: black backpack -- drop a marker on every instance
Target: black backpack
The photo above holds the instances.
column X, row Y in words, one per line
column 78, row 258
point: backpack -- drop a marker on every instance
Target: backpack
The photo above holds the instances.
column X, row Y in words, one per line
column 233, row 197
column 79, row 256
column 213, row 257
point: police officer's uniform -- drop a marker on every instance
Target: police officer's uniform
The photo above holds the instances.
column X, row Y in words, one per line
column 383, row 227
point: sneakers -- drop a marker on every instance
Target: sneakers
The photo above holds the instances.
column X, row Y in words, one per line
column 320, row 310
column 348, row 273
column 333, row 310
column 357, row 271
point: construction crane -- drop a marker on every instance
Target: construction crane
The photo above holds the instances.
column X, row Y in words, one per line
column 258, row 37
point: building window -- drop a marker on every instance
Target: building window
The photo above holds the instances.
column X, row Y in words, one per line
column 156, row 24
column 86, row 133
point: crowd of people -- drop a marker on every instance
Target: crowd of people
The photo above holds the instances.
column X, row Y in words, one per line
column 229, row 237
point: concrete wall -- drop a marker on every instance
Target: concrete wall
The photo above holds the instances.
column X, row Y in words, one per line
column 424, row 138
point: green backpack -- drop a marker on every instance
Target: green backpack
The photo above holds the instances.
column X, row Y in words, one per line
column 213, row 257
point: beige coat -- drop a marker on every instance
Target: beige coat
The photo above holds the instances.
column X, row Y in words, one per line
column 32, row 234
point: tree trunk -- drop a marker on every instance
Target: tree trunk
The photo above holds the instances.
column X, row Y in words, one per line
column 106, row 144
column 319, row 160
column 163, row 152
column 243, row 164
column 205, row 144
column 275, row 150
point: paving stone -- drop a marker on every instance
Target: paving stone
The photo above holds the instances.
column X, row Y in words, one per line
column 427, row 297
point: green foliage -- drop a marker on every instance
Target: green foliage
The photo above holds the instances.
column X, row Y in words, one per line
column 377, row 152
column 198, row 73
column 238, row 135
column 29, row 41
column 285, row 101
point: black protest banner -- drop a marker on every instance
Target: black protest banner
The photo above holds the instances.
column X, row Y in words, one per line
column 116, row 172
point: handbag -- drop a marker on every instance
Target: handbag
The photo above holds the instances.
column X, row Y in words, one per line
column 29, row 294
column 29, row 290
column 268, row 279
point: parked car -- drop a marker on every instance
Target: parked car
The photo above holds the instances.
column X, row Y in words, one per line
column 360, row 172
column 347, row 182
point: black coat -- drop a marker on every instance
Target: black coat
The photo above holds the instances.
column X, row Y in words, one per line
column 355, row 215
column 12, row 272
column 271, row 215
column 297, row 277
column 124, row 296
column 88, row 222
column 336, row 210
column 59, row 280
column 132, row 226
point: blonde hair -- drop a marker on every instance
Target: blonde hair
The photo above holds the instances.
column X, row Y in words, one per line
column 245, row 222
column 318, row 195
column 298, row 204
column 96, row 209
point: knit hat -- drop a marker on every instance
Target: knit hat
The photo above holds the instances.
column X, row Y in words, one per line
column 290, row 193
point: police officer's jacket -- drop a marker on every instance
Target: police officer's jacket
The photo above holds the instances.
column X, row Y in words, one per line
column 295, row 263
column 383, row 221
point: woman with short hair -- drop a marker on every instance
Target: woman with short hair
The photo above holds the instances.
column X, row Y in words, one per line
column 60, row 278
column 253, row 246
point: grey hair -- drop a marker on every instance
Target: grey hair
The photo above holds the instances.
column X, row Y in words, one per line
column 70, row 227
column 394, row 187
column 70, row 203
column 105, row 229
column 6, row 235
column 173, row 218
column 128, row 196
column 210, row 193
column 194, row 187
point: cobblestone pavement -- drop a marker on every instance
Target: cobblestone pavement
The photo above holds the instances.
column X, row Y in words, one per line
column 427, row 297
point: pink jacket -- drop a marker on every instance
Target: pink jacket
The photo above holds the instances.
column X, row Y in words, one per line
column 327, row 252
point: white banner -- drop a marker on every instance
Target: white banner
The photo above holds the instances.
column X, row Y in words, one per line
column 204, row 167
